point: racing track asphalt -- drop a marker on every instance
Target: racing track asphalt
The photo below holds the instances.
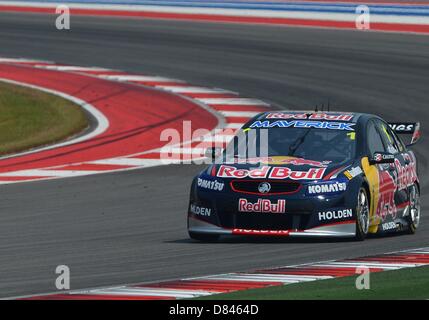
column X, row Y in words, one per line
column 130, row 227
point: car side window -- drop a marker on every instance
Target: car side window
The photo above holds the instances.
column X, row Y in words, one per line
column 399, row 142
column 388, row 138
column 375, row 141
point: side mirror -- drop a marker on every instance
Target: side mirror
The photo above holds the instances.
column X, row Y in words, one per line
column 382, row 157
column 213, row 152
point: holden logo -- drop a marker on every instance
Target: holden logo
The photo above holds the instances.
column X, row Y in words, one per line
column 264, row 187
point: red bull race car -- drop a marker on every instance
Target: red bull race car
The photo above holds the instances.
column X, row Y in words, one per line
column 309, row 174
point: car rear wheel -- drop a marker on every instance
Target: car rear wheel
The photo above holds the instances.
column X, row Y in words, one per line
column 362, row 215
column 205, row 237
column 415, row 210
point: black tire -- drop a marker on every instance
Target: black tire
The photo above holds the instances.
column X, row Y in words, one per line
column 414, row 215
column 362, row 215
column 205, row 237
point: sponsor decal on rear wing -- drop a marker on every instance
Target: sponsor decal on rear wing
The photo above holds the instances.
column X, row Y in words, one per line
column 407, row 128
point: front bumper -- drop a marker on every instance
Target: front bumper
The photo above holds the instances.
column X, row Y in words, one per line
column 341, row 229
column 300, row 214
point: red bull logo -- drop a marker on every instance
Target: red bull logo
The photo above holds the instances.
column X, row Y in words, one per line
column 262, row 206
column 312, row 116
column 403, row 177
column 406, row 174
column 386, row 204
column 270, row 172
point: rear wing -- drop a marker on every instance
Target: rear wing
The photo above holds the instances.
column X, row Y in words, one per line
column 407, row 128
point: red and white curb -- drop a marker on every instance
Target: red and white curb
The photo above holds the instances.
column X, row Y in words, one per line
column 231, row 110
column 238, row 281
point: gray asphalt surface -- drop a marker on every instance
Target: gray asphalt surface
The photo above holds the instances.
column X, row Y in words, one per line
column 130, row 227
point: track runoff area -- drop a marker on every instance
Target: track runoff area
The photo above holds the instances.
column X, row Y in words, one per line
column 181, row 288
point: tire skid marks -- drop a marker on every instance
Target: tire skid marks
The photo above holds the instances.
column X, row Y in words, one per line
column 238, row 281
column 224, row 103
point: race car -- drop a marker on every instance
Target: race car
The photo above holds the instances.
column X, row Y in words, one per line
column 309, row 174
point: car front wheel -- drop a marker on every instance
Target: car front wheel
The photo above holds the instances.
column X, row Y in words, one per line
column 362, row 215
column 415, row 210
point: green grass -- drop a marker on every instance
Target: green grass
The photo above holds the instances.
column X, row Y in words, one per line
column 31, row 118
column 412, row 283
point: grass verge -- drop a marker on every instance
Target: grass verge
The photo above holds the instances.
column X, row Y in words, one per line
column 411, row 283
column 30, row 118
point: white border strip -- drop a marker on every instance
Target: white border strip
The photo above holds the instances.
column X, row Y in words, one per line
column 291, row 14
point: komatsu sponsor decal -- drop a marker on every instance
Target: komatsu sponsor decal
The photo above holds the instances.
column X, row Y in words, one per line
column 270, row 172
column 303, row 124
column 210, row 184
column 327, row 188
column 311, row 116
column 200, row 211
column 262, row 206
column 335, row 214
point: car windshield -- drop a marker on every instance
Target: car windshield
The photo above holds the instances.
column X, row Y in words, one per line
column 307, row 143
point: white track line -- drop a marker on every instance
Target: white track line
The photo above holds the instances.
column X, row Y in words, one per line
column 139, row 78
column 419, row 252
column 22, row 60
column 368, row 264
column 233, row 101
column 219, row 138
column 48, row 173
column 190, row 89
column 134, row 291
column 259, row 277
column 240, row 114
column 194, row 151
column 70, row 68
column 134, row 162
column 241, row 12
